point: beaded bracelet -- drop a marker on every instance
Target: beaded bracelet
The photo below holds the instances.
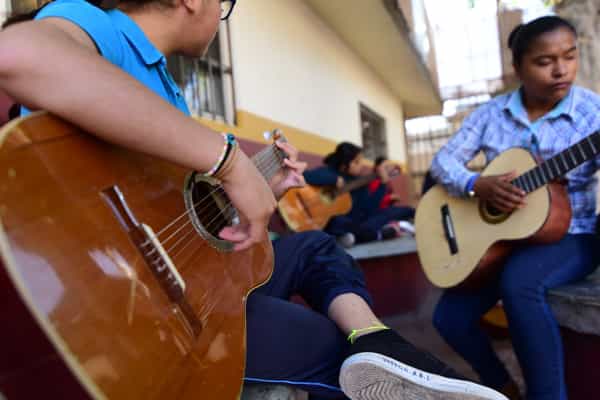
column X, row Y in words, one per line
column 228, row 163
column 230, row 142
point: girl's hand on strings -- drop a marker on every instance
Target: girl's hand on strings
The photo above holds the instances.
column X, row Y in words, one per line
column 252, row 197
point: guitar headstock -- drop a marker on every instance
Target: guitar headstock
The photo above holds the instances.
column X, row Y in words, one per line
column 275, row 135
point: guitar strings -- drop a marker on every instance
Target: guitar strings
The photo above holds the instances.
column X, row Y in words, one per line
column 178, row 255
column 259, row 159
column 269, row 168
column 229, row 211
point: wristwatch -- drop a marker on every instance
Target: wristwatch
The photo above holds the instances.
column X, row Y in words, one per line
column 470, row 189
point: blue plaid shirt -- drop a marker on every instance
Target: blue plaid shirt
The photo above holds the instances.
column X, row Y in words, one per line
column 502, row 123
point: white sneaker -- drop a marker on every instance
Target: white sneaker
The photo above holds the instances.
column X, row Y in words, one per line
column 366, row 376
column 407, row 227
column 347, row 240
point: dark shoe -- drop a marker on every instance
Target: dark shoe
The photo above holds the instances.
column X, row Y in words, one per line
column 511, row 390
column 389, row 232
column 384, row 366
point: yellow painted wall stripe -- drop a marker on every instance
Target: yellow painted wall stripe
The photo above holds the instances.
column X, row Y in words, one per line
column 251, row 127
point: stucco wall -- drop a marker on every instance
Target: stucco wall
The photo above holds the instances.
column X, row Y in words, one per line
column 290, row 67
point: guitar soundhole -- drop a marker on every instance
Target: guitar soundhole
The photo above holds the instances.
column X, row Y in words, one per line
column 491, row 214
column 212, row 209
column 494, row 212
column 328, row 195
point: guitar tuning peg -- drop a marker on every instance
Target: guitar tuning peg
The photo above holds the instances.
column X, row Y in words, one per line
column 275, row 134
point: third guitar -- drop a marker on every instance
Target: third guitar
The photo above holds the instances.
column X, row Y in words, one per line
column 461, row 239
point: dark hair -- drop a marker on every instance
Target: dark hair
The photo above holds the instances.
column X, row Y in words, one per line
column 342, row 156
column 22, row 17
column 14, row 111
column 379, row 160
column 523, row 35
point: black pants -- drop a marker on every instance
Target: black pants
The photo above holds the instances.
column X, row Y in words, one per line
column 366, row 230
column 289, row 343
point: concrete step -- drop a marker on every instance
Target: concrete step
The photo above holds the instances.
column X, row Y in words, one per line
column 259, row 391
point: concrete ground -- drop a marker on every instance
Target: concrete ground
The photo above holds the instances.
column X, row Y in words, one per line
column 417, row 328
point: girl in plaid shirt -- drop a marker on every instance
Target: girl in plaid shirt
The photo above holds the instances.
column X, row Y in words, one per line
column 546, row 115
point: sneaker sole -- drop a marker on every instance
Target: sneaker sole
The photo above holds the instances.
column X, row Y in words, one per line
column 372, row 376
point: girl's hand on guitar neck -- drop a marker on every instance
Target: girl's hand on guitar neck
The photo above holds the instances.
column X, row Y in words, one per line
column 290, row 175
column 499, row 192
column 252, row 197
column 384, row 170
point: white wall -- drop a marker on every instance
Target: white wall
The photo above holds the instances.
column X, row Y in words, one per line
column 289, row 66
column 4, row 9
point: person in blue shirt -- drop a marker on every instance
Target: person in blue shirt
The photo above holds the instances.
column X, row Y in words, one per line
column 105, row 70
column 367, row 220
column 545, row 115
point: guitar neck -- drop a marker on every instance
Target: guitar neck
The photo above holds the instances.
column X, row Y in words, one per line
column 561, row 163
column 356, row 183
column 362, row 181
column 269, row 160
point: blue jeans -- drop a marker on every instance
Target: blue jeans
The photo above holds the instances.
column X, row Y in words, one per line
column 367, row 229
column 527, row 275
column 289, row 343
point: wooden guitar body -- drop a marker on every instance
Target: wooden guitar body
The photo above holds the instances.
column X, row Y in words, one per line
column 95, row 317
column 477, row 228
column 311, row 207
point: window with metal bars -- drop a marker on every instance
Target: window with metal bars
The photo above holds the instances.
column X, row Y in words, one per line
column 374, row 138
column 207, row 82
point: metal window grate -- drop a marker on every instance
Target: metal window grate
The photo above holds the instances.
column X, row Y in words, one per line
column 206, row 82
column 424, row 143
column 374, row 140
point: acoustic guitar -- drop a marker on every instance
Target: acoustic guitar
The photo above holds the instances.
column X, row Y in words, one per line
column 311, row 207
column 464, row 240
column 113, row 282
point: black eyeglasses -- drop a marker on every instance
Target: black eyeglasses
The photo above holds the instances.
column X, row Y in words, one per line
column 226, row 8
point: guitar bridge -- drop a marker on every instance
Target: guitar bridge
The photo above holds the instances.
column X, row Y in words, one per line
column 156, row 257
column 449, row 232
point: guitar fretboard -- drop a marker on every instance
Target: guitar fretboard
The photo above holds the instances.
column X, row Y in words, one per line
column 362, row 181
column 561, row 163
column 269, row 160
column 356, row 183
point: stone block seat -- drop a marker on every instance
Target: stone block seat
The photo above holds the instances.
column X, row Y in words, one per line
column 393, row 274
column 577, row 306
column 260, row 391
column 577, row 309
